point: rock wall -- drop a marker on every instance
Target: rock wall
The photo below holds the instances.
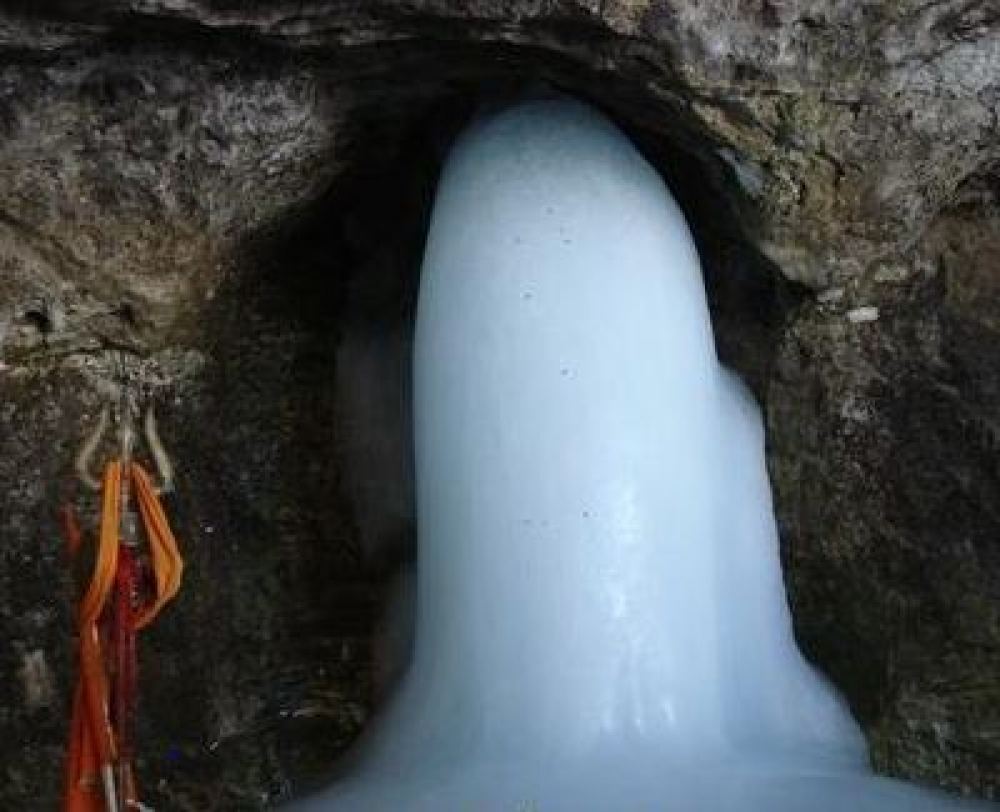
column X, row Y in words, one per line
column 222, row 205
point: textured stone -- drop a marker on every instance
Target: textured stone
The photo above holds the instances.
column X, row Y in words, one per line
column 230, row 196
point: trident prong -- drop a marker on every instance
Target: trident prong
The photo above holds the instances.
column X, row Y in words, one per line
column 87, row 451
column 160, row 457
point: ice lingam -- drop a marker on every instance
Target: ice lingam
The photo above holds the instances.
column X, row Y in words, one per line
column 601, row 621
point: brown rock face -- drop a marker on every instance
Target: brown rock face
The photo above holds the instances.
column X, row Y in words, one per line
column 221, row 205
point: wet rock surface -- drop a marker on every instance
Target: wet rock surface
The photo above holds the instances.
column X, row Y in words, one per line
column 223, row 204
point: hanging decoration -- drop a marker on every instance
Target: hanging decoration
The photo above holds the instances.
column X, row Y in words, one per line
column 129, row 585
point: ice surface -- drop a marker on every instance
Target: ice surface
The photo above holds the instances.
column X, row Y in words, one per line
column 601, row 620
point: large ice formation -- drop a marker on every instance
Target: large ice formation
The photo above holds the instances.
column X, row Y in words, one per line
column 601, row 619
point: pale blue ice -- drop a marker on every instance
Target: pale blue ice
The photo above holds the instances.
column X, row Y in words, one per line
column 601, row 619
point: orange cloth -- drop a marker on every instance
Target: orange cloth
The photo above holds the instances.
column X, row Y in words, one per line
column 92, row 740
column 167, row 562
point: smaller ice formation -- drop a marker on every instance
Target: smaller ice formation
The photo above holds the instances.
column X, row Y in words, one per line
column 601, row 620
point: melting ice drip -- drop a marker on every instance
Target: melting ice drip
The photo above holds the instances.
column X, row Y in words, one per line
column 601, row 621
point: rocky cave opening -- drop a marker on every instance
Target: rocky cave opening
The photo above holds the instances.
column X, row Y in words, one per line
column 246, row 229
column 345, row 271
